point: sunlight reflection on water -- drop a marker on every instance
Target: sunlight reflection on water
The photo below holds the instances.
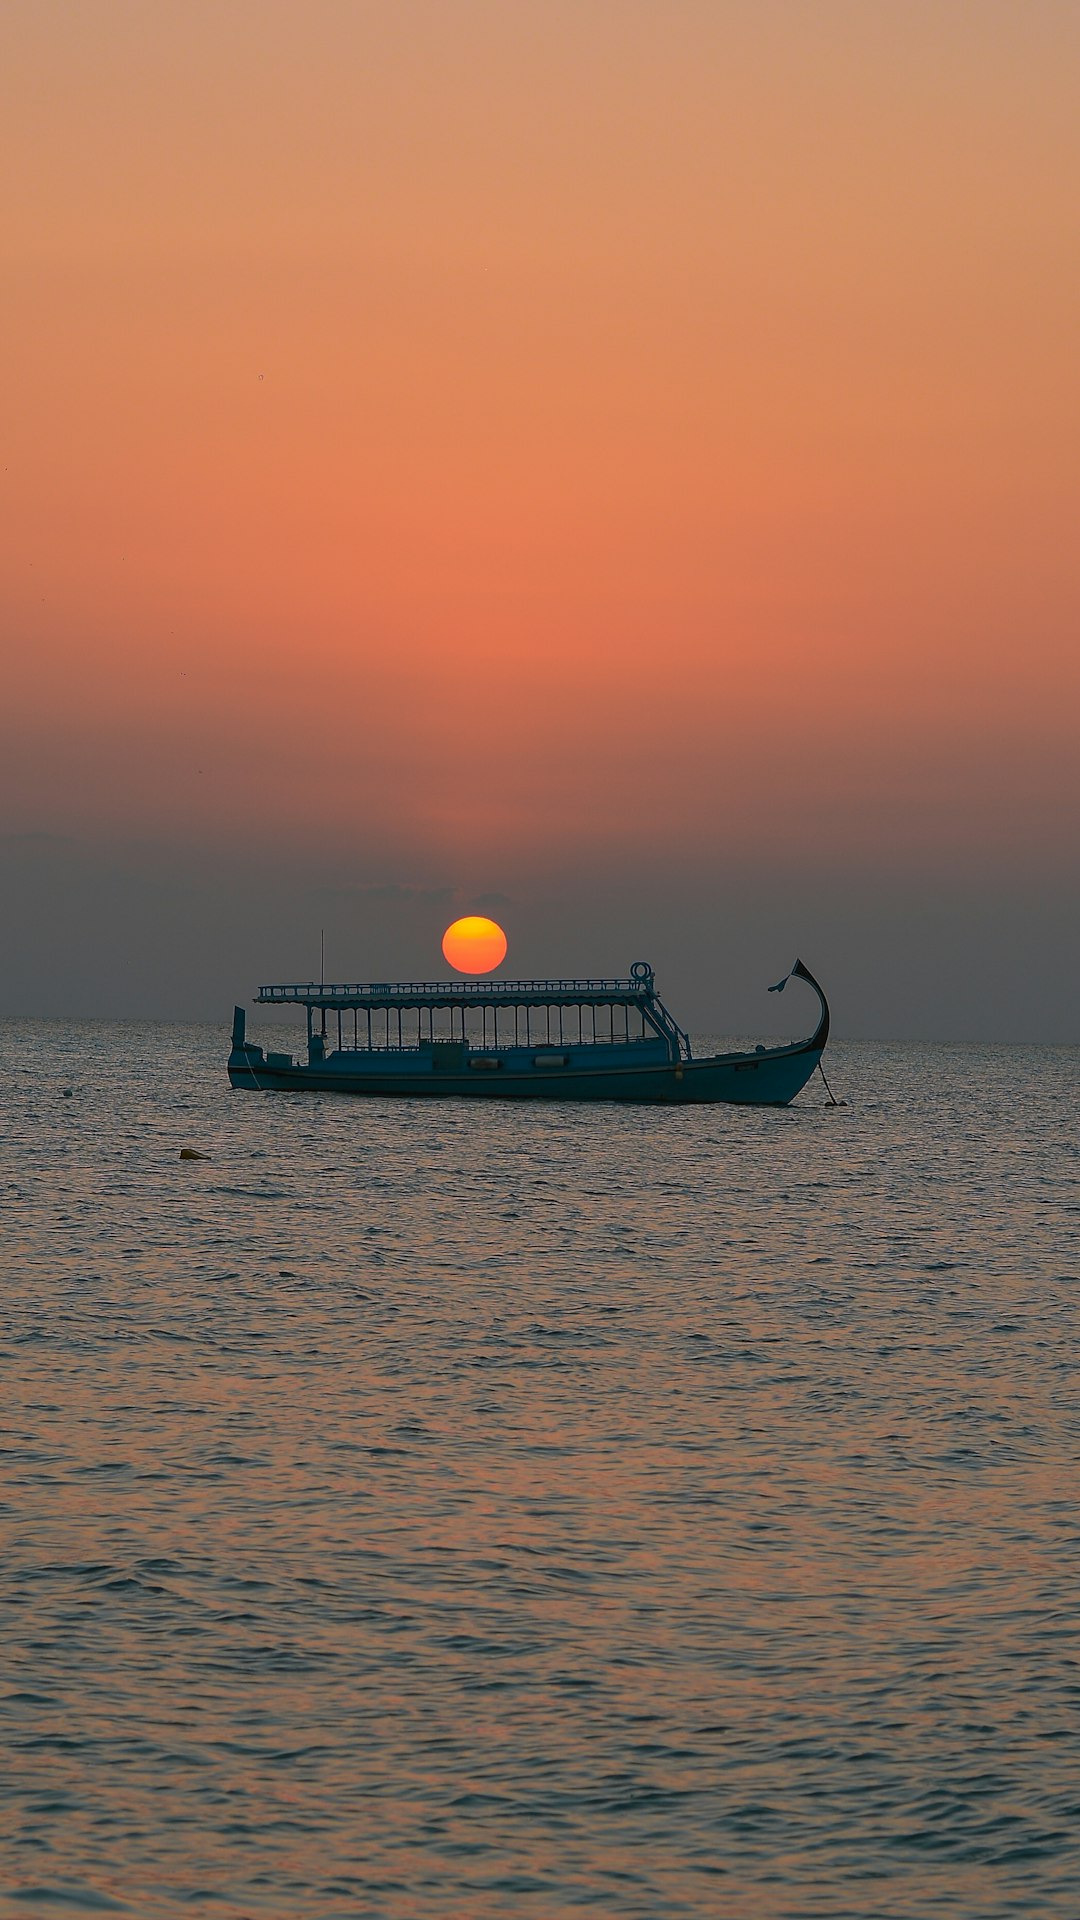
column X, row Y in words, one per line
column 467, row 1509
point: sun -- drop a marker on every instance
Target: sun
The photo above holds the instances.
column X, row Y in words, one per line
column 474, row 945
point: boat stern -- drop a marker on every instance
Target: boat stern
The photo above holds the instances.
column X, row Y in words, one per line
column 245, row 1058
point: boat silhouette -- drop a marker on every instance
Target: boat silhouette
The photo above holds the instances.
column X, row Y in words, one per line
column 581, row 1039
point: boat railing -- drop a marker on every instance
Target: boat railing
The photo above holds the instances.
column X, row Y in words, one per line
column 474, row 1046
column 304, row 990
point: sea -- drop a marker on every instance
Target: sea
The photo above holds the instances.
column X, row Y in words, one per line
column 462, row 1509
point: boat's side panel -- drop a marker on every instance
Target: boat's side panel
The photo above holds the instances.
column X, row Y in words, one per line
column 770, row 1078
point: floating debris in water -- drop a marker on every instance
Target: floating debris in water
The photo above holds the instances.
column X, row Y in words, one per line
column 192, row 1153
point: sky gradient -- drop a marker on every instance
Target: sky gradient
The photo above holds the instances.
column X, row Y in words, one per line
column 610, row 464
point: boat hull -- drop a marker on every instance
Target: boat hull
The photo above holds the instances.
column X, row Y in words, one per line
column 770, row 1077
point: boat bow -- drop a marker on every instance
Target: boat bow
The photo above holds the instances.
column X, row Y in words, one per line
column 821, row 1032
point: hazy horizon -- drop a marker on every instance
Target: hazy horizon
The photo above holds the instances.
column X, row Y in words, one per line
column 90, row 934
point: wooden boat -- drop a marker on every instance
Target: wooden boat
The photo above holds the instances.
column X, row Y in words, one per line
column 604, row 1039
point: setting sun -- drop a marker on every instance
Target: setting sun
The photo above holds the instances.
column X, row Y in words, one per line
column 474, row 945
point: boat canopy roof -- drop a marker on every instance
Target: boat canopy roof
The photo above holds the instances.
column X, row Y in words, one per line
column 638, row 989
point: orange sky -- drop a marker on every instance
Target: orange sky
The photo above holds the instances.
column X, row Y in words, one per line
column 452, row 426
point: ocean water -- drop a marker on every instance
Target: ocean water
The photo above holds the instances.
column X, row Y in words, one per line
column 422, row 1509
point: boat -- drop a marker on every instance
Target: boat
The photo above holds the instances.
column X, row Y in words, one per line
column 591, row 1039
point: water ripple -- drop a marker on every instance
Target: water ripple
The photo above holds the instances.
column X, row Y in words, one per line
column 456, row 1510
